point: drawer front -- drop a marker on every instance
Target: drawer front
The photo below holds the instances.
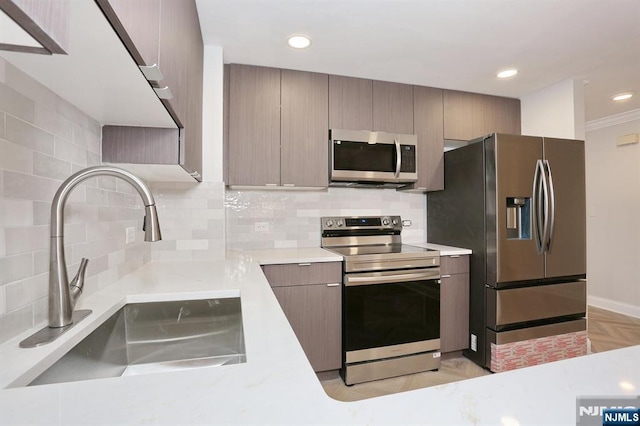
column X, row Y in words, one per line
column 451, row 265
column 519, row 305
column 303, row 273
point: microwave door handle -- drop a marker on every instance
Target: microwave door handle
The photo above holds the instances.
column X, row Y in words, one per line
column 398, row 157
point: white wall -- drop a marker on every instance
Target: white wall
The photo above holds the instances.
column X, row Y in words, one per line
column 613, row 212
column 555, row 111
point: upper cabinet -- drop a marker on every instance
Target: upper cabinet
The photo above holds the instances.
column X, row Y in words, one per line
column 427, row 122
column 164, row 39
column 392, row 107
column 34, row 26
column 254, row 126
column 350, row 103
column 471, row 115
column 304, row 129
column 277, row 127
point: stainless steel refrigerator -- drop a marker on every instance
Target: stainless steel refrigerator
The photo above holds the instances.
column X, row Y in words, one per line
column 519, row 203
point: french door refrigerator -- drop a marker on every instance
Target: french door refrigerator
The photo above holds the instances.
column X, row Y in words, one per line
column 518, row 202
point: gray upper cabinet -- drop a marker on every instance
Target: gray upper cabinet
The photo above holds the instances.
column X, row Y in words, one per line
column 277, row 127
column 392, row 107
column 428, row 127
column 471, row 115
column 254, row 125
column 350, row 103
column 47, row 22
column 165, row 34
column 304, row 129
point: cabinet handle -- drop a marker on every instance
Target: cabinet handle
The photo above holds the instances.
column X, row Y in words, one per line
column 454, row 256
column 163, row 92
column 270, row 184
column 333, row 285
column 304, row 264
column 288, row 184
column 151, row 72
column 445, row 276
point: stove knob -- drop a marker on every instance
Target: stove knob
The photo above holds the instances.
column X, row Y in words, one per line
column 385, row 221
column 395, row 222
column 329, row 223
column 339, row 222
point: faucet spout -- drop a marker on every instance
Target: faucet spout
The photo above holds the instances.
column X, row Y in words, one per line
column 62, row 294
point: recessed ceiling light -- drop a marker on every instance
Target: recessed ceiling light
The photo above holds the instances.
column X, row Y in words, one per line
column 622, row 96
column 507, row 73
column 299, row 41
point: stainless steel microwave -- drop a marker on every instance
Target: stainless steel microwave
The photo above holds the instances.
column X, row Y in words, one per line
column 358, row 156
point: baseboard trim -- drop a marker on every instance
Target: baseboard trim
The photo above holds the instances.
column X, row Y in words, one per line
column 615, row 306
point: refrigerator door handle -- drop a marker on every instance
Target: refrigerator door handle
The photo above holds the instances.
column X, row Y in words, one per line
column 552, row 205
column 538, row 218
column 545, row 190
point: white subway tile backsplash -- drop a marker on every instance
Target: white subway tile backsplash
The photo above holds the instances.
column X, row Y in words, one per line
column 25, row 134
column 17, row 267
column 47, row 119
column 68, row 151
column 23, row 186
column 23, row 240
column 16, row 104
column 30, row 88
column 16, row 212
column 3, row 305
column 293, row 217
column 15, row 157
column 50, row 167
column 25, row 292
column 192, row 244
column 14, row 323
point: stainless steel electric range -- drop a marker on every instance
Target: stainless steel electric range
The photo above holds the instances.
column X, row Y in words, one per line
column 390, row 299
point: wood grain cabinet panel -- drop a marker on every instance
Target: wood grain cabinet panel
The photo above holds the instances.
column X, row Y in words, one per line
column 303, row 273
column 46, row 21
column 315, row 314
column 428, row 127
column 165, row 33
column 254, row 125
column 392, row 107
column 304, row 129
column 471, row 115
column 310, row 295
column 350, row 103
column 454, row 303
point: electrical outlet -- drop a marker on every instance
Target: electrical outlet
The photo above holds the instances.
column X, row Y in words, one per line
column 261, row 227
column 130, row 235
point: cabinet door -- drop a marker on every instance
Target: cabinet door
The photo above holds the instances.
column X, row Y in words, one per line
column 138, row 24
column 175, row 26
column 392, row 107
column 471, row 115
column 46, row 21
column 427, row 121
column 191, row 139
column 315, row 314
column 304, row 129
column 454, row 312
column 350, row 103
column 254, row 125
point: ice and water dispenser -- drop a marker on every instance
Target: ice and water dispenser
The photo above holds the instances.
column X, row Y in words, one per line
column 519, row 218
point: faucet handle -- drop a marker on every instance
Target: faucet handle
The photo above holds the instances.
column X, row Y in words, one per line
column 77, row 283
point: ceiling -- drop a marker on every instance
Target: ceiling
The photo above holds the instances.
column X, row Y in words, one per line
column 452, row 44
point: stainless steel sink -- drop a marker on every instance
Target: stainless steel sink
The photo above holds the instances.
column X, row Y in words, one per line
column 157, row 336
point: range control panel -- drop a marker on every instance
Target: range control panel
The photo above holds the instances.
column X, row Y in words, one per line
column 361, row 222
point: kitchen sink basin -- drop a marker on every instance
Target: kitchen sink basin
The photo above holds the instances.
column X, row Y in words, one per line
column 156, row 336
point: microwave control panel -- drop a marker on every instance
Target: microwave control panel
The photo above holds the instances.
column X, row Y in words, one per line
column 408, row 164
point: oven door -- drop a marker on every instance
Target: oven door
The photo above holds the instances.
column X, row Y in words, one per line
column 391, row 313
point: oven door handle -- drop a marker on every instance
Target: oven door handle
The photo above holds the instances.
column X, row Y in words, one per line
column 369, row 279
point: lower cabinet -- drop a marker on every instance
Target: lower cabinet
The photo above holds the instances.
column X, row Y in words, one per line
column 310, row 295
column 454, row 303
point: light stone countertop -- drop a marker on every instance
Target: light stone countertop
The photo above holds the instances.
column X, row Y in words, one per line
column 277, row 385
column 444, row 250
column 288, row 255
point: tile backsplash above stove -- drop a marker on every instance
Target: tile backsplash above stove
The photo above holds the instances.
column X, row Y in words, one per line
column 287, row 219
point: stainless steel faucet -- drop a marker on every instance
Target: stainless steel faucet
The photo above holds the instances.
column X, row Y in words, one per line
column 62, row 294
